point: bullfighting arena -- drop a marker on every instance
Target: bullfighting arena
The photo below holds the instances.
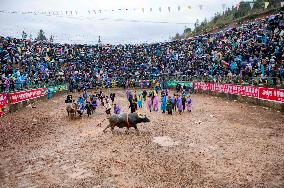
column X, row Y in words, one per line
column 220, row 144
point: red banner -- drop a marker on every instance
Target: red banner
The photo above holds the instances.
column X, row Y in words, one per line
column 3, row 99
column 272, row 94
column 26, row 95
column 3, row 102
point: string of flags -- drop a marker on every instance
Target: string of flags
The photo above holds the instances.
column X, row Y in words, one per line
column 143, row 9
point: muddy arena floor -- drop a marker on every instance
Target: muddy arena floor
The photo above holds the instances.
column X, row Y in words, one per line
column 220, row 144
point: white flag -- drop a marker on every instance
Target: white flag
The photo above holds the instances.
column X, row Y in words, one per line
column 251, row 5
column 266, row 4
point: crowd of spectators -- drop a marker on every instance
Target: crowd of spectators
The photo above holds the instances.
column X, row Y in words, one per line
column 251, row 53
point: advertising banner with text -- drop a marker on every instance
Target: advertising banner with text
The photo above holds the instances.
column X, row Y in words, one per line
column 25, row 95
column 272, row 94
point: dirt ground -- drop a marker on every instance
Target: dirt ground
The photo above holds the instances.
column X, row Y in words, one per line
column 220, row 144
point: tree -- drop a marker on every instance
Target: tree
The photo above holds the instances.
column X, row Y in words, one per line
column 24, row 35
column 51, row 39
column 187, row 30
column 177, row 37
column 196, row 23
column 41, row 36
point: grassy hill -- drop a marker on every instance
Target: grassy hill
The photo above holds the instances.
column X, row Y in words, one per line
column 232, row 17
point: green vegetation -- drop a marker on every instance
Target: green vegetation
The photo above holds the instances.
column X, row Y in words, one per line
column 232, row 16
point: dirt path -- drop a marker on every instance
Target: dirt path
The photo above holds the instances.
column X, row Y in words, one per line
column 233, row 145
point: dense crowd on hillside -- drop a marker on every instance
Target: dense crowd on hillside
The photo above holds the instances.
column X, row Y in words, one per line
column 251, row 53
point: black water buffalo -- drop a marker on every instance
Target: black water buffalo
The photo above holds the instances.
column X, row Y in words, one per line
column 126, row 120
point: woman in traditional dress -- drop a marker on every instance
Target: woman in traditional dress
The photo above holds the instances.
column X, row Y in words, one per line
column 150, row 103
column 116, row 109
column 179, row 104
column 156, row 103
column 189, row 104
column 163, row 103
column 139, row 100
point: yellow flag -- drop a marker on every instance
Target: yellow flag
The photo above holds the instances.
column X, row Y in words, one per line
column 189, row 7
column 266, row 4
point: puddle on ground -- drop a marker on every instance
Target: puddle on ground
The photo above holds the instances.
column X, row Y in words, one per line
column 165, row 141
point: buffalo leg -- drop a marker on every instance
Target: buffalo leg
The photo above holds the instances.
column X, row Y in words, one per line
column 110, row 125
column 127, row 130
column 112, row 128
column 136, row 129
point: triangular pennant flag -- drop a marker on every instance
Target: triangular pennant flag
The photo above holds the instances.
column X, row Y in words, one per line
column 266, row 4
column 94, row 11
column 238, row 6
column 282, row 4
column 151, row 9
column 189, row 7
column 251, row 5
column 169, row 8
column 178, row 8
column 143, row 10
column 160, row 9
column 200, row 7
column 89, row 12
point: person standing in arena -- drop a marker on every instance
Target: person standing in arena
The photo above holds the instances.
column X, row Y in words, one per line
column 112, row 96
column 139, row 100
column 189, row 104
column 179, row 104
column 163, row 103
column 169, row 106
